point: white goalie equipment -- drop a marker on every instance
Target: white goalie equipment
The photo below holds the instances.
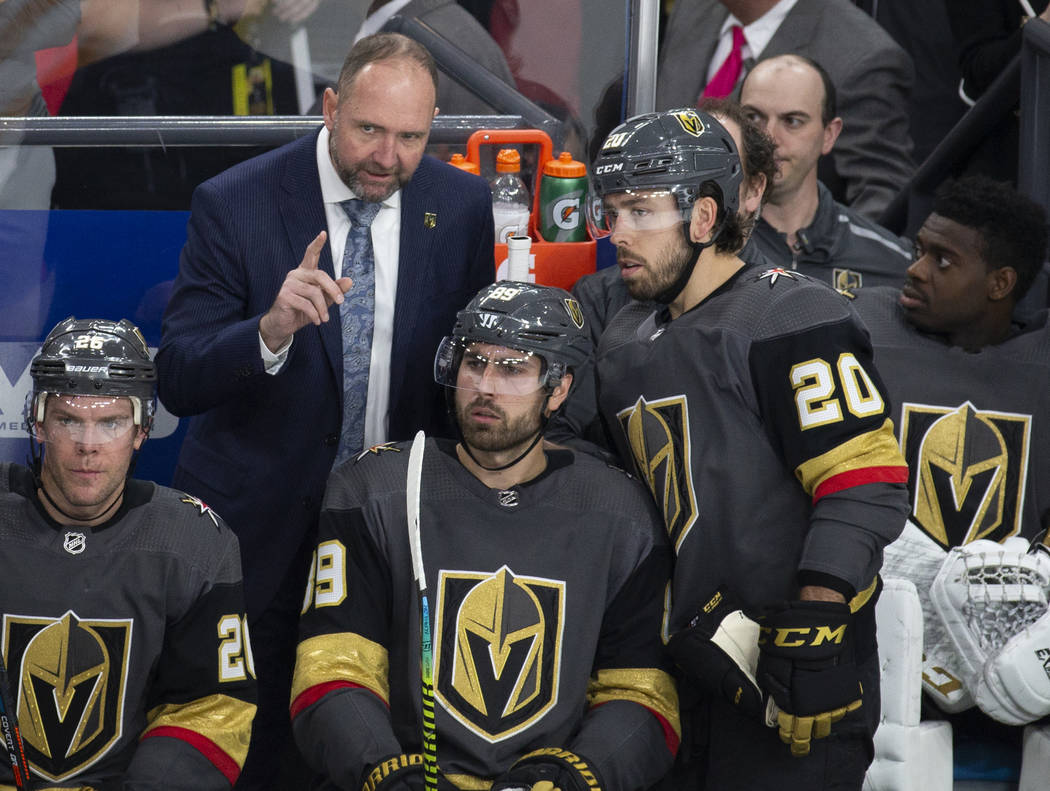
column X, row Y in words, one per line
column 992, row 600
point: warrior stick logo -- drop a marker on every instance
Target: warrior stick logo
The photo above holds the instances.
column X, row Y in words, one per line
column 970, row 468
column 658, row 433
column 71, row 676
column 500, row 640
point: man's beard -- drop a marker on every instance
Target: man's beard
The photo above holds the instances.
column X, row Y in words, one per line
column 350, row 175
column 660, row 273
column 503, row 436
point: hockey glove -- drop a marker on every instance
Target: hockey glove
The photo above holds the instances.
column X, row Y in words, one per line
column 401, row 773
column 550, row 769
column 806, row 664
column 719, row 651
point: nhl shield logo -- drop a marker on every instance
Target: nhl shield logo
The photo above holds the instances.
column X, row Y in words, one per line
column 71, row 675
column 74, row 543
column 499, row 639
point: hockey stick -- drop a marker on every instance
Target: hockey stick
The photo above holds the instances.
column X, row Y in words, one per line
column 11, row 735
column 415, row 473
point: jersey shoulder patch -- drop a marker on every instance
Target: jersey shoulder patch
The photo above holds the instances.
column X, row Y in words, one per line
column 202, row 509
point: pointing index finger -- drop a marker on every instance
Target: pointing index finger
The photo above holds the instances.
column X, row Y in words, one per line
column 313, row 251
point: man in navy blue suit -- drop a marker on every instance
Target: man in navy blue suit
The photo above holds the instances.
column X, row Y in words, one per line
column 252, row 345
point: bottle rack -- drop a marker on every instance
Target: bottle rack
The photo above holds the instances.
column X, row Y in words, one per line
column 553, row 263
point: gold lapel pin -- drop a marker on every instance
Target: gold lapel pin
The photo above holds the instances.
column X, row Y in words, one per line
column 430, row 220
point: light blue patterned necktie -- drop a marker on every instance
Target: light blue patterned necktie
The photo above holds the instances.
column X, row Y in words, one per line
column 357, row 317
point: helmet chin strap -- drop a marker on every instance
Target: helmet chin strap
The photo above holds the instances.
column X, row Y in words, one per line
column 69, row 516
column 669, row 294
column 519, row 457
column 450, row 404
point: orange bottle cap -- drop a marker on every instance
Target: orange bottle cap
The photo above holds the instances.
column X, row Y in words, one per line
column 461, row 162
column 508, row 160
column 565, row 167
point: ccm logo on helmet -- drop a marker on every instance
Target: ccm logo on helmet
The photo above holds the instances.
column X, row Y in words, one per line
column 798, row 637
column 601, row 169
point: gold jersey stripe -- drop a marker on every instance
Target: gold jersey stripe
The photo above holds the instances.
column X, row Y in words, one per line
column 864, row 596
column 223, row 720
column 646, row 686
column 877, row 448
column 468, row 782
column 341, row 656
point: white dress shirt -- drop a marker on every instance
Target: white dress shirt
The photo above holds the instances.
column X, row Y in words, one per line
column 386, row 246
column 756, row 35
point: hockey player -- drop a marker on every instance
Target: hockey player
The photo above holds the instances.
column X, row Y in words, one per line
column 970, row 383
column 547, row 571
column 123, row 615
column 751, row 407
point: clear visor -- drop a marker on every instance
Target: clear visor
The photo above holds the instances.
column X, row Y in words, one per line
column 85, row 420
column 487, row 368
column 633, row 210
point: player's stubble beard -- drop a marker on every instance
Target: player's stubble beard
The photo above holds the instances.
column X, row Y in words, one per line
column 663, row 272
column 508, row 434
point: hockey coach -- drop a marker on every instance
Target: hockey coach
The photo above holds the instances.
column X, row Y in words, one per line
column 749, row 404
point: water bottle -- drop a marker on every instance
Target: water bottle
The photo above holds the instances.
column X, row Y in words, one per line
column 563, row 187
column 510, row 197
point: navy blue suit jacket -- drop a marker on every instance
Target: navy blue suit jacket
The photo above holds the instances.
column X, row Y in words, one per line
column 260, row 446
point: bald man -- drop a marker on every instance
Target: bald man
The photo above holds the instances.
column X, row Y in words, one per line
column 803, row 227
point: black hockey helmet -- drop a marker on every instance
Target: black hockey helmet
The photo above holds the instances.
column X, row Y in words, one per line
column 674, row 150
column 94, row 357
column 542, row 320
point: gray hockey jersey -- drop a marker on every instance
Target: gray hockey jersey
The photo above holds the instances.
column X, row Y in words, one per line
column 125, row 643
column 973, row 426
column 546, row 602
column 760, row 425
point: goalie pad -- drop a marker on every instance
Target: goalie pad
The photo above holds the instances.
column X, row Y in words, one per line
column 916, row 557
column 1015, row 685
column 984, row 594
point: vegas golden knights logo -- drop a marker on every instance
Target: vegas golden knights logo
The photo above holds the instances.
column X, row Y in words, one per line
column 846, row 279
column 968, row 471
column 575, row 312
column 658, row 433
column 690, row 122
column 499, row 639
column 70, row 675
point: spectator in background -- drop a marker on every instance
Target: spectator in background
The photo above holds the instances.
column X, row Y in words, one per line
column 874, row 76
column 988, row 37
column 252, row 343
column 802, row 226
column 453, row 22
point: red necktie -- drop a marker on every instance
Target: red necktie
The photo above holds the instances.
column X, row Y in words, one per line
column 724, row 81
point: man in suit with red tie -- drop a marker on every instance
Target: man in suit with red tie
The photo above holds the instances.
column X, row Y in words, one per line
column 872, row 159
column 314, row 287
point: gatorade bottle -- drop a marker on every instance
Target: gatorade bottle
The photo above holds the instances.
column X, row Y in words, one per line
column 511, row 203
column 461, row 162
column 563, row 187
